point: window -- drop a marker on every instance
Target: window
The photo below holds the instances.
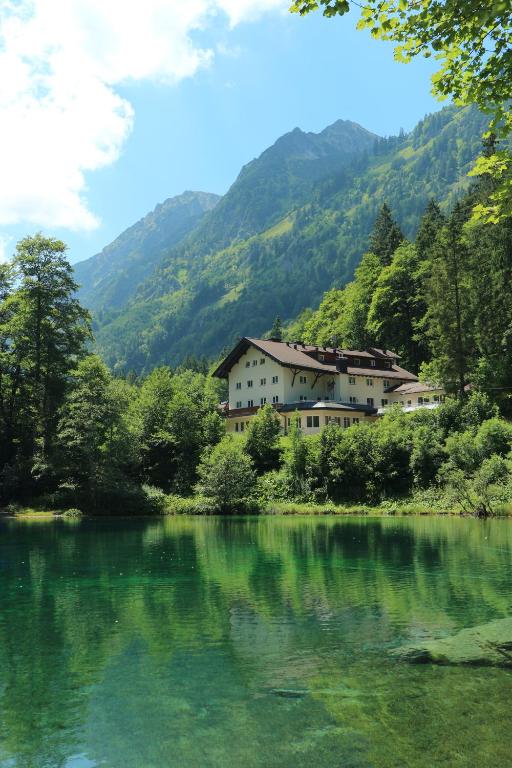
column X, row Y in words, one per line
column 355, row 420
column 263, row 382
column 420, row 401
column 262, row 361
column 346, row 422
column 353, row 399
column 313, row 422
column 254, row 362
column 372, row 363
column 238, row 403
column 250, row 403
column 299, row 422
column 409, row 402
column 369, row 381
column 351, row 379
column 385, row 383
column 357, row 361
column 387, row 364
column 248, row 364
column 289, row 422
column 436, row 398
column 275, row 379
column 321, row 357
column 249, row 383
column 302, row 397
column 369, row 401
column 236, row 426
column 384, row 402
column 303, row 379
column 239, row 385
column 242, row 425
column 263, row 400
column 275, row 399
column 426, row 399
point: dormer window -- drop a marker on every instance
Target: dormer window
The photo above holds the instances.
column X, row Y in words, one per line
column 357, row 361
column 372, row 363
column 387, row 364
column 321, row 357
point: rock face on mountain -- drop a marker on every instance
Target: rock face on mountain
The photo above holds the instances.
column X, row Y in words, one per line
column 111, row 277
column 294, row 224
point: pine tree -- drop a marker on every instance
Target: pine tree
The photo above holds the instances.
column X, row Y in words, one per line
column 276, row 332
column 430, row 225
column 386, row 235
column 450, row 312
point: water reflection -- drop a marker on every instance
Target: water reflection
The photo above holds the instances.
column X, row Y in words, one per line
column 255, row 642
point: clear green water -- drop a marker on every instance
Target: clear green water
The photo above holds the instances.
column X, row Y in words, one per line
column 248, row 642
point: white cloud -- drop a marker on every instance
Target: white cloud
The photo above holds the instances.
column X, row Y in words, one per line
column 61, row 62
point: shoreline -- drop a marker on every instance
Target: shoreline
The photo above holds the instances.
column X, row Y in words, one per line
column 278, row 509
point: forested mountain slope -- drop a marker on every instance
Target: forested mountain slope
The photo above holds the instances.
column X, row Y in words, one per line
column 295, row 223
column 111, row 277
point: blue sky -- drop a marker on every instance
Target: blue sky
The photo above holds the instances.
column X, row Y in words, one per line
column 176, row 132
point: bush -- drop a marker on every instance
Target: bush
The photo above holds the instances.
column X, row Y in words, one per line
column 155, row 499
column 226, row 476
column 72, row 514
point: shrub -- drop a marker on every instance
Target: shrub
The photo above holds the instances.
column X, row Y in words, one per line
column 226, row 475
column 72, row 514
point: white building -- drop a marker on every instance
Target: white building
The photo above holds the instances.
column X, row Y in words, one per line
column 320, row 384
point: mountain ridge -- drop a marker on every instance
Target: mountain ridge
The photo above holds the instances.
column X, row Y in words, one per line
column 306, row 232
column 108, row 277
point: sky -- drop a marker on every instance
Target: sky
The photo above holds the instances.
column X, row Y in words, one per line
column 108, row 107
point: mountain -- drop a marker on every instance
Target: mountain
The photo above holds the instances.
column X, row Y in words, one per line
column 295, row 223
column 111, row 277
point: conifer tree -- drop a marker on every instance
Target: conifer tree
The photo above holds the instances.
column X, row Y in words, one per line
column 430, row 225
column 276, row 332
column 450, row 313
column 386, row 236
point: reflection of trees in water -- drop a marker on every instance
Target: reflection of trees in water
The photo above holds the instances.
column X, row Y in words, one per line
column 253, row 603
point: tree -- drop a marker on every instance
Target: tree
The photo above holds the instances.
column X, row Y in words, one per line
column 226, row 475
column 92, row 439
column 177, row 419
column 276, row 332
column 357, row 301
column 262, row 443
column 431, row 224
column 449, row 311
column 398, row 307
column 46, row 331
column 472, row 41
column 386, row 236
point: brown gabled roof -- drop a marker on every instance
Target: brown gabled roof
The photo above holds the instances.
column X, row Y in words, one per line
column 295, row 355
column 280, row 351
column 414, row 387
column 395, row 372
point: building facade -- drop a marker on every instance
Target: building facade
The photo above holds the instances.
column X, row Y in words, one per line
column 320, row 384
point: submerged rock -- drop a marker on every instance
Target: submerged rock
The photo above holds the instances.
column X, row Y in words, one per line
column 289, row 693
column 484, row 645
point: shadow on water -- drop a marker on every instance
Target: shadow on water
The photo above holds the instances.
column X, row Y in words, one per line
column 256, row 642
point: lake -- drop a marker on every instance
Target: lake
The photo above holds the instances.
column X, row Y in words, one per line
column 249, row 642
